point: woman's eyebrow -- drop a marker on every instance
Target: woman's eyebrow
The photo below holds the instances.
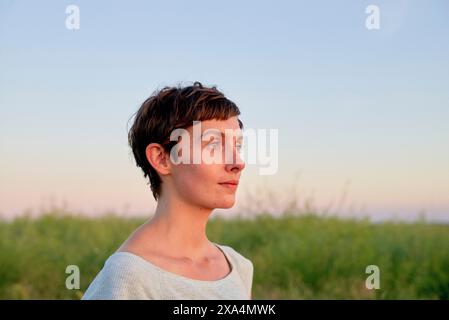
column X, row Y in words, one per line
column 239, row 137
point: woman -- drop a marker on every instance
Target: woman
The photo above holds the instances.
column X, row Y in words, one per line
column 170, row 256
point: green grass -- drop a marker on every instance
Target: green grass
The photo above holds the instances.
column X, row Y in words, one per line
column 294, row 257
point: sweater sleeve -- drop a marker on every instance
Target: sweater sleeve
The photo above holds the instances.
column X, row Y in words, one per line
column 245, row 268
column 121, row 281
column 248, row 270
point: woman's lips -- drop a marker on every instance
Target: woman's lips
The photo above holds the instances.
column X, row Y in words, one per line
column 231, row 186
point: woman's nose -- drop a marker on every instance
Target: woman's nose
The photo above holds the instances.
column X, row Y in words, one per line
column 237, row 164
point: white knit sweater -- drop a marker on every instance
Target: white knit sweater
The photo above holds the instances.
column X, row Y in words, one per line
column 128, row 276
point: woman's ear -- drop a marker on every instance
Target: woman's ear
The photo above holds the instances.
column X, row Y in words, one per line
column 158, row 158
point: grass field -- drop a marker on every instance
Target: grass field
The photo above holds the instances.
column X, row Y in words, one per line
column 294, row 256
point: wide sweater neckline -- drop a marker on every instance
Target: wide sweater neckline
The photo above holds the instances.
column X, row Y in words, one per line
column 150, row 265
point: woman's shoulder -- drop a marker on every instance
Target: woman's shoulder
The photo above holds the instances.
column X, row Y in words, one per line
column 243, row 263
column 123, row 276
column 122, row 263
column 244, row 266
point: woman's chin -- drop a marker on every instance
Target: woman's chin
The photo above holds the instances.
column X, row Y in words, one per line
column 227, row 204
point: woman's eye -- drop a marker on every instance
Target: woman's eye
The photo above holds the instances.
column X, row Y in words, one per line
column 213, row 145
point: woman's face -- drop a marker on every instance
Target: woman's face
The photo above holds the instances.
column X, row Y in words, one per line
column 202, row 183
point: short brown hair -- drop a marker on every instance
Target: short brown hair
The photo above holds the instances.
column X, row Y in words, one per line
column 171, row 108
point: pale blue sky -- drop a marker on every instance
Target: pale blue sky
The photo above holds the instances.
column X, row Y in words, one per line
column 369, row 107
